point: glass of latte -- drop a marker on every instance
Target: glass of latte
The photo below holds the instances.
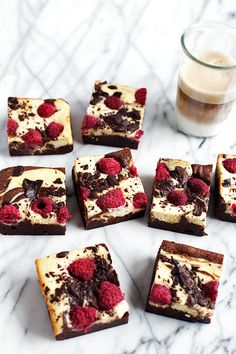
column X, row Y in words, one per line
column 206, row 93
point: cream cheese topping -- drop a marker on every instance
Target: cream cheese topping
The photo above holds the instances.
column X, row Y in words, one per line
column 48, row 176
column 30, row 105
column 59, row 311
column 206, row 271
column 228, row 194
column 100, row 109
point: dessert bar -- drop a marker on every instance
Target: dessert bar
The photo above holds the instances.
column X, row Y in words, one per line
column 33, row 201
column 185, row 282
column 37, row 126
column 108, row 189
column 226, row 187
column 114, row 116
column 82, row 291
column 180, row 196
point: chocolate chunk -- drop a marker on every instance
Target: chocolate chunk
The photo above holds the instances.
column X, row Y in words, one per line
column 112, row 87
column 135, row 115
column 58, row 181
column 13, row 103
column 31, row 188
column 117, row 94
column 112, row 181
column 49, row 100
column 165, row 185
column 226, row 182
column 62, row 254
column 17, row 171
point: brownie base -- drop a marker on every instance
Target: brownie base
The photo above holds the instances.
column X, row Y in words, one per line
column 109, row 140
column 183, row 227
column 179, row 315
column 23, row 228
column 22, row 150
column 68, row 333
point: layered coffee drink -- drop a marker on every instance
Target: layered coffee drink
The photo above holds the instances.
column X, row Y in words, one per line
column 205, row 96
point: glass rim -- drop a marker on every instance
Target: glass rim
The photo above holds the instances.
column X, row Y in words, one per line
column 191, row 56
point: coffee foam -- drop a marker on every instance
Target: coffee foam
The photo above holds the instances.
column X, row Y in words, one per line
column 208, row 85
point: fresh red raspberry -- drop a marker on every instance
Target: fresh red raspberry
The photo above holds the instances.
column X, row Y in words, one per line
column 138, row 135
column 113, row 102
column 211, row 289
column 162, row 172
column 160, row 294
column 82, row 317
column 46, row 110
column 140, row 200
column 90, row 122
column 198, row 186
column 84, row 192
column 233, row 207
column 177, row 197
column 33, row 138
column 12, row 125
column 230, row 165
column 82, row 268
column 133, row 171
column 54, row 130
column 112, row 199
column 63, row 215
column 9, row 214
column 109, row 295
column 140, row 96
column 42, row 206
column 109, row 165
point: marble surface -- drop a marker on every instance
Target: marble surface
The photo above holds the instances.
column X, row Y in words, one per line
column 58, row 49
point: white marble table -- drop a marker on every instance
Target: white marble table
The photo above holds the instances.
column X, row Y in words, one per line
column 58, row 49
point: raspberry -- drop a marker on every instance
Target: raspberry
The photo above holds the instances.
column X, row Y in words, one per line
column 177, row 197
column 140, row 200
column 9, row 214
column 198, row 186
column 233, row 207
column 133, row 171
column 63, row 215
column 33, row 138
column 42, row 206
column 113, row 102
column 109, row 165
column 54, row 130
column 82, row 268
column 140, row 96
column 90, row 122
column 82, row 317
column 230, row 165
column 160, row 294
column 211, row 289
column 112, row 199
column 138, row 134
column 162, row 172
column 109, row 295
column 11, row 126
column 46, row 110
column 84, row 192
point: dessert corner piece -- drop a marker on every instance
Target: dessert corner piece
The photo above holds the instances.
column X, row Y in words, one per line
column 180, row 198
column 185, row 282
column 39, row 127
column 108, row 189
column 114, row 116
column 33, row 201
column 226, row 187
column 82, row 291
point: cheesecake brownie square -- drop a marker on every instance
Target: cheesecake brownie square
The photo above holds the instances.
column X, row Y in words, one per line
column 185, row 282
column 108, row 189
column 33, row 201
column 114, row 116
column 226, row 187
column 180, row 197
column 82, row 291
column 39, row 127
